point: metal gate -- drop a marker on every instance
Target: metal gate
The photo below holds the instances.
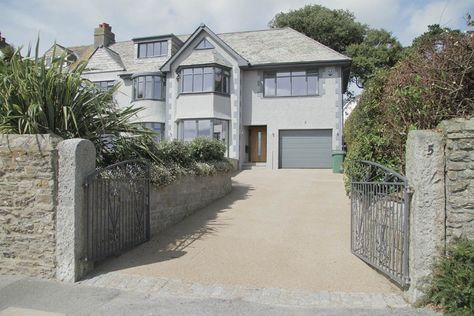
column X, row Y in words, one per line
column 380, row 206
column 117, row 208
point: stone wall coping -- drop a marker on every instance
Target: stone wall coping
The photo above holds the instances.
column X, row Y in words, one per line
column 457, row 127
column 29, row 142
column 190, row 177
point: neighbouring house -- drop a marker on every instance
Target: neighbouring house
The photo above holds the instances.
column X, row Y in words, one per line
column 350, row 106
column 274, row 97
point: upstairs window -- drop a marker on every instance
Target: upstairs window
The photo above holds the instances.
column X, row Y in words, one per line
column 153, row 49
column 291, row 83
column 149, row 87
column 205, row 79
column 104, row 85
column 204, row 44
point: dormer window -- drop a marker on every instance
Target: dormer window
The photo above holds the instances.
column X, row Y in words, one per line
column 204, row 44
column 153, row 49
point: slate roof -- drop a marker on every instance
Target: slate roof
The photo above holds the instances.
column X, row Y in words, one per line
column 208, row 56
column 105, row 59
column 283, row 45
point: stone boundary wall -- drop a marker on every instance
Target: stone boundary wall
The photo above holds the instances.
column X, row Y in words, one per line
column 440, row 170
column 459, row 138
column 172, row 203
column 28, row 187
column 42, row 199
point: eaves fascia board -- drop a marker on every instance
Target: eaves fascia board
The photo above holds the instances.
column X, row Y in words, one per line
column 213, row 64
column 151, row 38
column 146, row 73
column 338, row 62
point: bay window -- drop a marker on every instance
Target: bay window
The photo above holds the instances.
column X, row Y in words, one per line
column 157, row 128
column 205, row 79
column 291, row 83
column 212, row 128
column 104, row 85
column 149, row 87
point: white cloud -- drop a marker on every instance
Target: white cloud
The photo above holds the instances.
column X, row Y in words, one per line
column 71, row 22
column 446, row 13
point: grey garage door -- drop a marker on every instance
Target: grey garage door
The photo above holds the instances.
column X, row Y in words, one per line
column 305, row 148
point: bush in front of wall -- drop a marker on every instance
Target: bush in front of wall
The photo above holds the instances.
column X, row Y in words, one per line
column 175, row 152
column 206, row 149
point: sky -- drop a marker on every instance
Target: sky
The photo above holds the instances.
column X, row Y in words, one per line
column 71, row 23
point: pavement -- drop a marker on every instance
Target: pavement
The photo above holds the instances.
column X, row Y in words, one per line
column 22, row 296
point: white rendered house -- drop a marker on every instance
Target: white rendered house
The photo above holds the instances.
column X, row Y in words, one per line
column 274, row 97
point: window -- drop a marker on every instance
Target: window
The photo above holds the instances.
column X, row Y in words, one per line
column 149, row 87
column 158, row 128
column 291, row 83
column 205, row 79
column 104, row 85
column 153, row 49
column 204, row 44
column 215, row 128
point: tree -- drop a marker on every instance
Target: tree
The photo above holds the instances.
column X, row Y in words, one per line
column 370, row 49
column 6, row 52
column 336, row 29
column 435, row 33
column 378, row 50
column 434, row 81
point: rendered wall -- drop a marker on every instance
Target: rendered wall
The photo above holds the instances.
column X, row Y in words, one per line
column 279, row 113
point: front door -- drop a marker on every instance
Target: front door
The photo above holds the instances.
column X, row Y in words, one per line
column 258, row 143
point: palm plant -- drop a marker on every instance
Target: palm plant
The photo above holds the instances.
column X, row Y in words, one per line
column 38, row 98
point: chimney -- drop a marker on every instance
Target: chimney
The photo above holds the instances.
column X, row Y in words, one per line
column 103, row 35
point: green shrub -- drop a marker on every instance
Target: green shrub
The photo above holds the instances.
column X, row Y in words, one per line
column 117, row 149
column 207, row 149
column 365, row 132
column 433, row 82
column 175, row 152
column 36, row 98
column 223, row 166
column 452, row 286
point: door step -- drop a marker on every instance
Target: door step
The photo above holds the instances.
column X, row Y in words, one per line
column 253, row 165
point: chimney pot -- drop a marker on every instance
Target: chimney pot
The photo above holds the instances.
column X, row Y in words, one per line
column 103, row 35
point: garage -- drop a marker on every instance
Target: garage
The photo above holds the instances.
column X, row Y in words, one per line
column 306, row 148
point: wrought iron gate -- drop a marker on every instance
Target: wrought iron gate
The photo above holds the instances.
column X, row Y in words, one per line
column 117, row 208
column 380, row 201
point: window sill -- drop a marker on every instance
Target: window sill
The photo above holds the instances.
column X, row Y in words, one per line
column 160, row 56
column 147, row 99
column 290, row 96
column 205, row 92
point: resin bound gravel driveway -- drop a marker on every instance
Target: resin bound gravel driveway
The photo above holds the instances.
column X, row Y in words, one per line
column 283, row 229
